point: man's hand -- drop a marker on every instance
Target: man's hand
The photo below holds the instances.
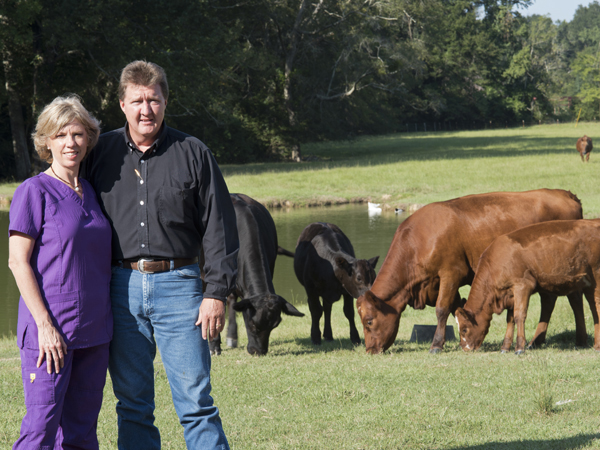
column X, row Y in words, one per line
column 211, row 317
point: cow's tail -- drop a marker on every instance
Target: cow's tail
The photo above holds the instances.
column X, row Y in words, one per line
column 283, row 251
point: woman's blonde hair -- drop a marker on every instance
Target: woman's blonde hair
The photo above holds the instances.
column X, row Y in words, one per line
column 61, row 112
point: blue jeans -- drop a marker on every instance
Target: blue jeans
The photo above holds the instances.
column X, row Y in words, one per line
column 161, row 309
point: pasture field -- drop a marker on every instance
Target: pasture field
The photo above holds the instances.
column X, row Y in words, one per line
column 419, row 168
column 338, row 397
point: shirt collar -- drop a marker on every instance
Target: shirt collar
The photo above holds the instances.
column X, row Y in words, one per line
column 161, row 137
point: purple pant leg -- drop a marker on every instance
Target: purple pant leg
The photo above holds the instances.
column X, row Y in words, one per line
column 83, row 399
column 64, row 406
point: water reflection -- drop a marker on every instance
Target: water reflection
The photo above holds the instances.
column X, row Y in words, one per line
column 371, row 235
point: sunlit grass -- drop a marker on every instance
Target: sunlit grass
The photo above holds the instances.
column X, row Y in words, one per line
column 337, row 397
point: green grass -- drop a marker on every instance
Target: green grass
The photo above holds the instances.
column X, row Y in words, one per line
column 337, row 397
column 419, row 168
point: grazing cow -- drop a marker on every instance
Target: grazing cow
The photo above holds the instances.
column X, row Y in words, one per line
column 436, row 250
column 260, row 305
column 584, row 147
column 326, row 266
column 561, row 257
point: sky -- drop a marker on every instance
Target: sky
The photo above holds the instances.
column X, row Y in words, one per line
column 558, row 9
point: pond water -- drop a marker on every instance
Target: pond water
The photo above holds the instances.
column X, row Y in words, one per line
column 370, row 236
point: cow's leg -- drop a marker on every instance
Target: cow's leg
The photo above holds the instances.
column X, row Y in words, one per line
column 547, row 303
column 215, row 346
column 232, row 329
column 510, row 331
column 446, row 301
column 576, row 302
column 521, row 294
column 587, row 157
column 592, row 295
column 316, row 311
column 327, row 331
column 349, row 313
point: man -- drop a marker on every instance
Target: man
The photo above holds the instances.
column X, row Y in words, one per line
column 165, row 198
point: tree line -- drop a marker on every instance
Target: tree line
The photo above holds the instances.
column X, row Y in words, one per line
column 255, row 79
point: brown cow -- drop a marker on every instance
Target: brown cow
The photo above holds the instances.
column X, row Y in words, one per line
column 436, row 250
column 561, row 257
column 584, row 147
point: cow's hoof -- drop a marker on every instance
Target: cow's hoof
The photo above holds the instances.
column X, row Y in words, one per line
column 231, row 343
column 504, row 351
column 215, row 352
column 435, row 351
column 315, row 342
column 519, row 352
column 327, row 339
column 356, row 342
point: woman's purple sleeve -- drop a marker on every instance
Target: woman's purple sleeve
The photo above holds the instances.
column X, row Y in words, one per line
column 26, row 210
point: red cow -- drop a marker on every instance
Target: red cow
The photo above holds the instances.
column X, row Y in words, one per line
column 436, row 250
column 561, row 257
column 584, row 147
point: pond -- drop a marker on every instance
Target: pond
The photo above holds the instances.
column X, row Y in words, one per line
column 370, row 236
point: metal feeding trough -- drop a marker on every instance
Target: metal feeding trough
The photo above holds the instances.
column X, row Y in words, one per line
column 425, row 333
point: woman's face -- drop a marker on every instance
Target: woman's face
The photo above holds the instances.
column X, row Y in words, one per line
column 69, row 145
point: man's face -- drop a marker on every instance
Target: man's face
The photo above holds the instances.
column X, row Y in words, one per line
column 144, row 107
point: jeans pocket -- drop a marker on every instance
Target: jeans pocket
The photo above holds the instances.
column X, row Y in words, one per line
column 191, row 271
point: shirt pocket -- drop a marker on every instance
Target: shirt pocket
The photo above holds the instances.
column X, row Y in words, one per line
column 176, row 206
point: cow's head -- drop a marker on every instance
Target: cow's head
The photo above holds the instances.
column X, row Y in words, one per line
column 356, row 275
column 471, row 331
column 380, row 322
column 261, row 315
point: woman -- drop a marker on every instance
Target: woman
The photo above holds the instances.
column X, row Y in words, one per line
column 59, row 253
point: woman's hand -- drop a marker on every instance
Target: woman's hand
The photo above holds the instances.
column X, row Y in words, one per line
column 52, row 347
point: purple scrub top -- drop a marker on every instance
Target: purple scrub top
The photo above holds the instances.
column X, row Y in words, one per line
column 70, row 260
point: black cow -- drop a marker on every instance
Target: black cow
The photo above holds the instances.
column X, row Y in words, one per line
column 260, row 305
column 326, row 266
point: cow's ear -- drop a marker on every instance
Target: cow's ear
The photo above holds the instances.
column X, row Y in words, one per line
column 373, row 261
column 343, row 264
column 242, row 305
column 288, row 308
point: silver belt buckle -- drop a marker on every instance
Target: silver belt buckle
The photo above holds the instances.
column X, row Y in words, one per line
column 140, row 265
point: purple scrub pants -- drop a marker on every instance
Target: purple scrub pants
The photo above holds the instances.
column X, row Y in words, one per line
column 63, row 408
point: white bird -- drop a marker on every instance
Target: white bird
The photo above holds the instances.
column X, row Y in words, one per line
column 374, row 208
column 398, row 210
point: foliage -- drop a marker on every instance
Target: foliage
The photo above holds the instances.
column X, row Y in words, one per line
column 257, row 79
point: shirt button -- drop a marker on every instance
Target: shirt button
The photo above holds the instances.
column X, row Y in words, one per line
column 142, row 202
column 143, row 161
column 143, row 245
column 142, row 224
column 141, row 181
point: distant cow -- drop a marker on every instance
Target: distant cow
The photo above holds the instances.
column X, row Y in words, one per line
column 326, row 266
column 260, row 305
column 553, row 258
column 436, row 250
column 584, row 147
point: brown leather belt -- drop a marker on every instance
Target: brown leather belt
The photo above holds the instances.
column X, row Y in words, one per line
column 145, row 265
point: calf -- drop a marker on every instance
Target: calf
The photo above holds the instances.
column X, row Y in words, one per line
column 436, row 250
column 553, row 258
column 584, row 147
column 260, row 305
column 326, row 266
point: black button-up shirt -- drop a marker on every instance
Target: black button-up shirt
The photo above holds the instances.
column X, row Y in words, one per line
column 166, row 202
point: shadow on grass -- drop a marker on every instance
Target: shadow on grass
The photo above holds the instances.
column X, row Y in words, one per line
column 408, row 148
column 546, row 444
column 304, row 346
